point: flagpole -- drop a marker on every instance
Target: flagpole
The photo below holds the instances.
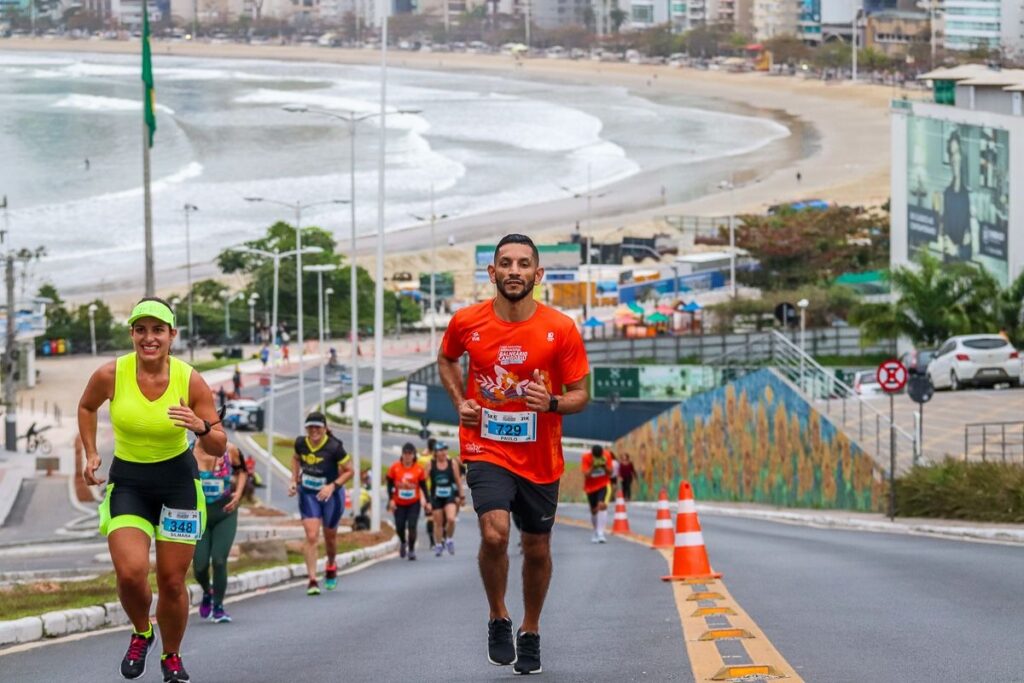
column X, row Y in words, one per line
column 147, row 140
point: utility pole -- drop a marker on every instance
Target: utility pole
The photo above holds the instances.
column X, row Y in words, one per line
column 10, row 400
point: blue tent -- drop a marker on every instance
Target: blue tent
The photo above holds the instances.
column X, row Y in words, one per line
column 593, row 322
column 692, row 307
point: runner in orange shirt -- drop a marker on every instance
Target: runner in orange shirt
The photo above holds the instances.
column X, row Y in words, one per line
column 597, row 470
column 407, row 493
column 527, row 368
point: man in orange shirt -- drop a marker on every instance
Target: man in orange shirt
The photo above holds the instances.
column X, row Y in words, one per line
column 527, row 368
column 597, row 470
column 407, row 493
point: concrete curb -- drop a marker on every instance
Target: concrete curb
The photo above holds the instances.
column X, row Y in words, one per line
column 67, row 622
column 1005, row 534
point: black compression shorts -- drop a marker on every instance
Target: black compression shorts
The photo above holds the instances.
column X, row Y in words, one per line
column 495, row 488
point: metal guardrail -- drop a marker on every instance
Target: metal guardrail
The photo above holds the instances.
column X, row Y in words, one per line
column 992, row 440
column 863, row 423
column 750, row 347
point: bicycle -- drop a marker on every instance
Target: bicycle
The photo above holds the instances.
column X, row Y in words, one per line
column 36, row 441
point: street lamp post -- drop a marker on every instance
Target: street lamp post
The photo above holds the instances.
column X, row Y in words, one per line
column 189, row 208
column 803, row 304
column 92, row 326
column 298, row 207
column 227, row 318
column 729, row 186
column 320, row 270
column 433, row 218
column 253, row 298
column 352, row 119
column 586, row 238
column 327, row 312
column 276, row 257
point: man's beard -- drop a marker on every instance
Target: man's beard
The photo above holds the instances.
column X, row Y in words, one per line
column 526, row 291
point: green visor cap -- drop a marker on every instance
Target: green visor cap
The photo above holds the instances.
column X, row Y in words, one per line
column 151, row 309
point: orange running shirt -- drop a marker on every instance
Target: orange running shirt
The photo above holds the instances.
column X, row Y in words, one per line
column 502, row 358
column 407, row 482
column 597, row 472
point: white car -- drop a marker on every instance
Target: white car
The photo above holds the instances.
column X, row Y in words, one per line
column 241, row 413
column 975, row 360
column 865, row 383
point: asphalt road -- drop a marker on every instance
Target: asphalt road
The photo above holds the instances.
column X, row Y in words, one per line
column 418, row 621
column 847, row 606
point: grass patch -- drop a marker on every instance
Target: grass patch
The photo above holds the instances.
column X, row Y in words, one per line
column 215, row 364
column 396, row 407
column 284, row 448
column 33, row 599
column 953, row 489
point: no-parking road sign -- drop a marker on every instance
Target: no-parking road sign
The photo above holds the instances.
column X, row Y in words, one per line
column 892, row 376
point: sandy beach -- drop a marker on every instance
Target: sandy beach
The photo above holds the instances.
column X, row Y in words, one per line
column 839, row 146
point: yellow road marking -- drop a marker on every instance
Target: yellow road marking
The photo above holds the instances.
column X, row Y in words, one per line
column 705, row 659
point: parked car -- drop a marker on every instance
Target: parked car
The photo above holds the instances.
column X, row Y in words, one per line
column 916, row 360
column 243, row 413
column 975, row 360
column 865, row 383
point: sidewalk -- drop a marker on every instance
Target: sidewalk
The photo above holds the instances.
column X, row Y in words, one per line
column 865, row 521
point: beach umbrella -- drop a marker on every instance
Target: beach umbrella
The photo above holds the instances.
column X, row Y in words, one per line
column 593, row 322
column 636, row 308
column 626, row 319
column 665, row 309
column 657, row 318
column 692, row 307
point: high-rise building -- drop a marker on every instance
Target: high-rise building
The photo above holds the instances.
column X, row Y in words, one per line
column 775, row 18
column 986, row 24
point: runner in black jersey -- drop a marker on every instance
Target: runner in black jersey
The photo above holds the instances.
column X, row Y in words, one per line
column 446, row 497
column 320, row 469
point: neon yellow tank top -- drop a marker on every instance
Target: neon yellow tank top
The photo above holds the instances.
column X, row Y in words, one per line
column 142, row 430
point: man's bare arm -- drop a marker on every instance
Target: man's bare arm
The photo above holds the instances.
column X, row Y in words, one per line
column 451, row 378
column 575, row 398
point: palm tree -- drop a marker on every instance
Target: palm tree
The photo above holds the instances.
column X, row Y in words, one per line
column 934, row 301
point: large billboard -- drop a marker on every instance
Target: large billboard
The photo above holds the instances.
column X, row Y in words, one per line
column 958, row 193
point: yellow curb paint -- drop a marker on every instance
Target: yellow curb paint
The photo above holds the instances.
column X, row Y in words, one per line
column 705, row 595
column 705, row 660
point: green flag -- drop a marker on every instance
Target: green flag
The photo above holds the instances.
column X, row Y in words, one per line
column 147, row 75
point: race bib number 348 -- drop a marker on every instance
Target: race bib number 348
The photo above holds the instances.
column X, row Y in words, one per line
column 511, row 427
column 181, row 525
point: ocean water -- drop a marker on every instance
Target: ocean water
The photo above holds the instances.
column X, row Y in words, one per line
column 483, row 142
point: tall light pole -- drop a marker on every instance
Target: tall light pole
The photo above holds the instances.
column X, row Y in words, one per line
column 92, row 326
column 433, row 218
column 253, row 298
column 589, row 196
column 378, row 290
column 729, row 186
column 320, row 270
column 352, row 119
column 188, row 209
column 228, row 296
column 327, row 312
column 276, row 257
column 856, row 17
column 298, row 207
column 803, row 304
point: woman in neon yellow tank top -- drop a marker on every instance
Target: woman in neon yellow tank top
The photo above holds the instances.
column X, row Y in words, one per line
column 154, row 488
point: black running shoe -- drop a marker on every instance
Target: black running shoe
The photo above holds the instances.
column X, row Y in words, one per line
column 174, row 671
column 527, row 653
column 501, row 651
column 134, row 663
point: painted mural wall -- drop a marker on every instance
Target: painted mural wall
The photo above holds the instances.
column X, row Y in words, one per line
column 754, row 440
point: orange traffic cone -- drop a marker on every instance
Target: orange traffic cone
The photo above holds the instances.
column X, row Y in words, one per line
column 690, row 559
column 621, row 523
column 663, row 536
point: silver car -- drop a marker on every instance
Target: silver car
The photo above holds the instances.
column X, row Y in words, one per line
column 975, row 360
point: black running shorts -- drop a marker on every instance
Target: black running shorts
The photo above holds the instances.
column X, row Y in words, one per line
column 495, row 488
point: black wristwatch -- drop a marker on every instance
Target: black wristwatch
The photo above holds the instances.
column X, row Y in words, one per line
column 553, row 405
column 208, row 427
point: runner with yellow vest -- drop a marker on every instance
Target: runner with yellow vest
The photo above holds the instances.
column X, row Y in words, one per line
column 154, row 488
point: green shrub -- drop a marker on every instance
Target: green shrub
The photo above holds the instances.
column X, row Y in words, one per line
column 953, row 489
